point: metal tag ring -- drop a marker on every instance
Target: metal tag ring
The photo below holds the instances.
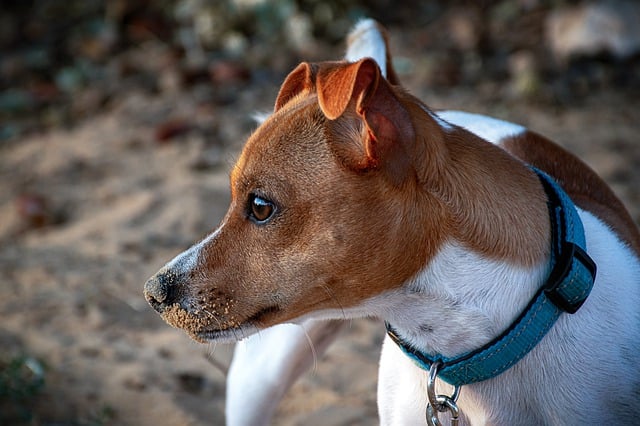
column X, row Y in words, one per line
column 431, row 389
column 440, row 403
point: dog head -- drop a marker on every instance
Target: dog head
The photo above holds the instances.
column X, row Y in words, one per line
column 326, row 196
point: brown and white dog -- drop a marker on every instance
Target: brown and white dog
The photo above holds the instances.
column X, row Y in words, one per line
column 354, row 199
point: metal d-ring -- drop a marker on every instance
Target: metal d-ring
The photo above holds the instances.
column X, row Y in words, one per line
column 440, row 403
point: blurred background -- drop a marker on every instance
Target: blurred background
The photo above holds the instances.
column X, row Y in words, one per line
column 119, row 122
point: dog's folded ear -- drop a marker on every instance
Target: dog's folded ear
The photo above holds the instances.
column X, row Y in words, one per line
column 390, row 135
column 359, row 87
column 300, row 80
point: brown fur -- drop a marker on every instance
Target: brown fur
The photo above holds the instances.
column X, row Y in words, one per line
column 582, row 184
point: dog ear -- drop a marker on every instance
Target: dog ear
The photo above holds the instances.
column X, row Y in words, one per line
column 390, row 135
column 299, row 80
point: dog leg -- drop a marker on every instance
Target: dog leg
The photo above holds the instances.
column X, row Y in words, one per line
column 266, row 364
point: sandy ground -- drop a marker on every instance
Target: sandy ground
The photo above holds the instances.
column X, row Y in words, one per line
column 117, row 204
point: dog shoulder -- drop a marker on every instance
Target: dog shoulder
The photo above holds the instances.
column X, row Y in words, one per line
column 584, row 186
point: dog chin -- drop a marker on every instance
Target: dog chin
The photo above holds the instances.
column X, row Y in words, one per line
column 229, row 335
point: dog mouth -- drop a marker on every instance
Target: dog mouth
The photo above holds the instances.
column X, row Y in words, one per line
column 204, row 326
column 263, row 314
column 229, row 335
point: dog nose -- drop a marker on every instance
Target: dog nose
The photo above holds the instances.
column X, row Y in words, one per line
column 159, row 290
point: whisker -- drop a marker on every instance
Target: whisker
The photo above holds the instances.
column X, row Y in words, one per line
column 215, row 318
column 212, row 348
column 333, row 296
column 314, row 353
column 224, row 369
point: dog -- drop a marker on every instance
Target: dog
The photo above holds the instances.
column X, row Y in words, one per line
column 506, row 270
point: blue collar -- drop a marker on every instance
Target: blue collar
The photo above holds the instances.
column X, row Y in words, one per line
column 568, row 286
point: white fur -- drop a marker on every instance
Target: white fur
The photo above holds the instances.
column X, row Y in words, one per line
column 188, row 259
column 445, row 125
column 254, row 370
column 366, row 42
column 488, row 128
column 450, row 296
column 258, row 378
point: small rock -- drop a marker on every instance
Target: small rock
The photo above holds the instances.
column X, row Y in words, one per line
column 165, row 353
column 34, row 210
column 193, row 74
column 135, row 383
column 191, row 382
column 171, row 129
column 90, row 352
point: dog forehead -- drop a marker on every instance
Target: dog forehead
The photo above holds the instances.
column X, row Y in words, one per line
column 292, row 140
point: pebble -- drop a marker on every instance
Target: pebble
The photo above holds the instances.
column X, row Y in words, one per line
column 190, row 382
column 171, row 129
column 34, row 210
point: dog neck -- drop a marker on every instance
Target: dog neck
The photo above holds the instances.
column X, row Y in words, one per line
column 496, row 242
column 450, row 307
column 565, row 290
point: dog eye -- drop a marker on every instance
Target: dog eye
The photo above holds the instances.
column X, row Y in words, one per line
column 260, row 209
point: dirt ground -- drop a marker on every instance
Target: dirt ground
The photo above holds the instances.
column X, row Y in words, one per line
column 88, row 213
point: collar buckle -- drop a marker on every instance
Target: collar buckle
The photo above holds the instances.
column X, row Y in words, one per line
column 571, row 278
